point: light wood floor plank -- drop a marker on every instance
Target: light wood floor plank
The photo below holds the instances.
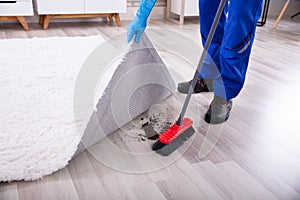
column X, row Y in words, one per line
column 57, row 186
column 149, row 192
column 243, row 182
column 9, row 191
column 217, row 177
column 116, row 184
column 85, row 180
column 186, row 182
column 257, row 170
column 280, row 162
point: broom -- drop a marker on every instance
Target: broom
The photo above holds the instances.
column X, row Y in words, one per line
column 169, row 140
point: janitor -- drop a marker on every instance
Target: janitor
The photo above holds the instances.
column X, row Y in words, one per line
column 225, row 68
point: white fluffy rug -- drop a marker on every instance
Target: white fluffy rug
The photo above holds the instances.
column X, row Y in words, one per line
column 37, row 128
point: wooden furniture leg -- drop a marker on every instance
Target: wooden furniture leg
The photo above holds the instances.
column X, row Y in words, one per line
column 117, row 18
column 41, row 20
column 46, row 21
column 181, row 15
column 111, row 19
column 281, row 13
column 23, row 22
column 168, row 11
column 21, row 19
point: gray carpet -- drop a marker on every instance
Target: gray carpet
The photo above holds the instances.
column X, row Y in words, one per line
column 139, row 82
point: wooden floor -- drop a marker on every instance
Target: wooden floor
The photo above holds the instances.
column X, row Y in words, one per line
column 256, row 153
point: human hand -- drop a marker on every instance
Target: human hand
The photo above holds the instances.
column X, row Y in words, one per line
column 136, row 28
column 138, row 24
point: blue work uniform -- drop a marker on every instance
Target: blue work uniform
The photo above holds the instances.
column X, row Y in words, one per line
column 231, row 46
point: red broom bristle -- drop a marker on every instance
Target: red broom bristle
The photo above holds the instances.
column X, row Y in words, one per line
column 174, row 131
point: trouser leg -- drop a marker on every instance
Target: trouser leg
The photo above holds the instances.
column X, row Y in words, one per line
column 208, row 9
column 239, row 32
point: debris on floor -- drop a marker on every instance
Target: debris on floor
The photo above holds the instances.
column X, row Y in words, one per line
column 148, row 126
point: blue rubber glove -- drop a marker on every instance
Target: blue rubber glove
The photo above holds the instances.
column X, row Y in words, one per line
column 139, row 23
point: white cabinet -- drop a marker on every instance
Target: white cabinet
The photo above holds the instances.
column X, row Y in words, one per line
column 183, row 8
column 48, row 9
column 190, row 7
column 105, row 6
column 45, row 7
column 16, row 10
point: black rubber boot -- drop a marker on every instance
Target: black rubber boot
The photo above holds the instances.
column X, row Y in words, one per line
column 201, row 86
column 218, row 111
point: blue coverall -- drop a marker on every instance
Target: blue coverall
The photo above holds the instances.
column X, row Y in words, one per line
column 231, row 46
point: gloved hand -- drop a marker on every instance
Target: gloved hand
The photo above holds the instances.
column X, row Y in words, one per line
column 139, row 23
